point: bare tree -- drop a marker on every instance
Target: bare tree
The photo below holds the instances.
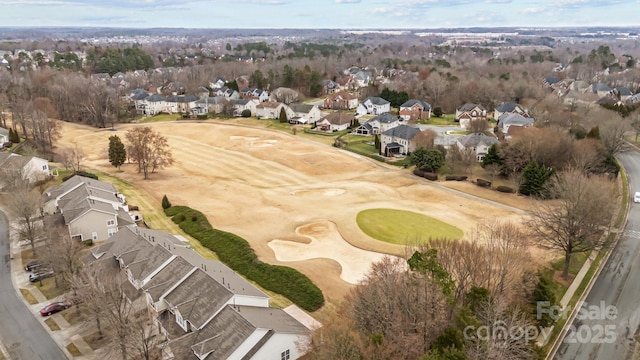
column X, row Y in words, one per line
column 575, row 221
column 25, row 204
column 507, row 333
column 63, row 255
column 71, row 158
column 148, row 149
column 436, row 86
column 406, row 310
column 613, row 134
column 478, row 126
column 460, row 160
column 425, row 139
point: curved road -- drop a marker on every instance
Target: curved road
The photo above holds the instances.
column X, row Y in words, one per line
column 23, row 336
column 611, row 335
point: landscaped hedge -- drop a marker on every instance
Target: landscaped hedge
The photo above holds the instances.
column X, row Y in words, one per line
column 505, row 189
column 236, row 253
column 483, row 183
column 455, row 177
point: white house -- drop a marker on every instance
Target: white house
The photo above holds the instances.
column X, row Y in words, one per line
column 30, row 168
column 373, row 105
column 378, row 124
column 306, row 111
column 156, row 104
column 336, row 121
column 246, row 104
column 509, row 108
column 269, row 110
column 507, row 120
column 477, row 142
column 4, row 136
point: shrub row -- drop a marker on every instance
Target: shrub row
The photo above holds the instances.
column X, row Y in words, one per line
column 236, row 253
column 483, row 183
column 505, row 189
column 455, row 177
column 427, row 175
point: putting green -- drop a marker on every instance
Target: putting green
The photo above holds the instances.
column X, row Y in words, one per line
column 404, row 227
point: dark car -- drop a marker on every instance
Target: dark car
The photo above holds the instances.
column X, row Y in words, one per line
column 32, row 265
column 55, row 307
column 40, row 274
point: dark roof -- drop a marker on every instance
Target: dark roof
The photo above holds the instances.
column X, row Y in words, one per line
column 411, row 102
column 624, row 91
column 183, row 98
column 339, row 118
column 155, row 97
column 508, row 107
column 301, row 108
column 376, row 100
column 403, row 132
column 514, row 119
column 385, row 118
column 393, row 145
column 469, row 106
column 472, row 140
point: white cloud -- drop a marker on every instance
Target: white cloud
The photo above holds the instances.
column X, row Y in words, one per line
column 347, row 1
column 532, row 10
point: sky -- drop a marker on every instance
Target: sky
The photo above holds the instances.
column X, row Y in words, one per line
column 326, row 14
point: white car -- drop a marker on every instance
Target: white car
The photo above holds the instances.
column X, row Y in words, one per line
column 636, row 197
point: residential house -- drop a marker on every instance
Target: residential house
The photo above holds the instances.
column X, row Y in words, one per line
column 623, row 93
column 600, row 89
column 4, row 136
column 415, row 110
column 202, row 92
column 174, row 88
column 336, row 121
column 253, row 93
column 218, row 83
column 507, row 120
column 246, row 104
column 101, row 77
column 341, row 101
column 397, row 140
column 26, row 168
column 139, row 99
column 212, row 105
column 227, row 93
column 373, row 105
column 181, row 103
column 358, row 77
column 155, row 104
column 90, row 209
column 378, row 125
column 202, row 308
column 510, row 108
column 329, row 86
column 269, row 109
column 470, row 112
column 310, row 113
column 478, row 143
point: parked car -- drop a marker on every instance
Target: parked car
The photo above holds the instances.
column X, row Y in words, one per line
column 32, row 265
column 636, row 197
column 40, row 274
column 55, row 307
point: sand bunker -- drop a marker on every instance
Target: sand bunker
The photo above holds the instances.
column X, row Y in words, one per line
column 326, row 242
column 263, row 143
column 323, row 192
column 243, row 138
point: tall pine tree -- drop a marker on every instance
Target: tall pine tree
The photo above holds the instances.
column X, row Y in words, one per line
column 117, row 152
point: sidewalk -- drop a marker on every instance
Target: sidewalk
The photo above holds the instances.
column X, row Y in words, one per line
column 67, row 334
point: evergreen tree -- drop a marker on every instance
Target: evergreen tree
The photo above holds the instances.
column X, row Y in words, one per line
column 534, row 177
column 283, row 115
column 427, row 159
column 543, row 293
column 117, row 151
column 594, row 133
column 165, row 202
column 492, row 156
column 437, row 112
column 376, row 142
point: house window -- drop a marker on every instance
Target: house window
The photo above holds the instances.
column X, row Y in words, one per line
column 111, row 222
column 94, row 235
column 285, row 355
column 111, row 232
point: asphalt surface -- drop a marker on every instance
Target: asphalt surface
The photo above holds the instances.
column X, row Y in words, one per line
column 22, row 335
column 603, row 334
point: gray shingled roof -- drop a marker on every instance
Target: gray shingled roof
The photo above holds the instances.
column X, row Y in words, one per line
column 376, row 100
column 155, row 98
column 508, row 107
column 301, row 108
column 198, row 297
column 469, row 106
column 472, row 140
column 411, row 102
column 403, row 132
column 385, row 118
column 4, row 131
column 514, row 119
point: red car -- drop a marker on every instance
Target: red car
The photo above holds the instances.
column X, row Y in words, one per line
column 55, row 307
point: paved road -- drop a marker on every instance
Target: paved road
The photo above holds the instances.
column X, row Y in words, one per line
column 23, row 336
column 599, row 337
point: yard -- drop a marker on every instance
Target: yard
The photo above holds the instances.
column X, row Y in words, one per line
column 271, row 187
